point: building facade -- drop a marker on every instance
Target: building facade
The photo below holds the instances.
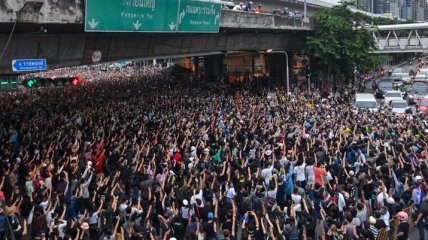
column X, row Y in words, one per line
column 418, row 10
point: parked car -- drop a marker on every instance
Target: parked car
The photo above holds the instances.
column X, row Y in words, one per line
column 417, row 91
column 365, row 101
column 405, row 77
column 382, row 86
column 420, row 78
column 392, row 95
column 400, row 107
column 423, row 71
column 398, row 70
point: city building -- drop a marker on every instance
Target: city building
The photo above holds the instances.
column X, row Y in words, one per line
column 418, row 10
column 394, row 8
column 381, row 6
column 364, row 5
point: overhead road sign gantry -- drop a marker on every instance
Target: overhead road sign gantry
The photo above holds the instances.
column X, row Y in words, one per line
column 152, row 16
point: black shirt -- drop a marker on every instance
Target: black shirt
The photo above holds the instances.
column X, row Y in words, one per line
column 424, row 210
column 209, row 229
column 404, row 228
column 368, row 188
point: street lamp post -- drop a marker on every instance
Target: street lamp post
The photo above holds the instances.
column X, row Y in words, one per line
column 304, row 10
column 286, row 59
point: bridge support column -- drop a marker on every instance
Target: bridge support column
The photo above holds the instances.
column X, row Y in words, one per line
column 213, row 65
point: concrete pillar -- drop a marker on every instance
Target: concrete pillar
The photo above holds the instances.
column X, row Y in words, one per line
column 213, row 65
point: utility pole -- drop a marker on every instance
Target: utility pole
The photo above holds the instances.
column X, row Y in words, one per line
column 304, row 9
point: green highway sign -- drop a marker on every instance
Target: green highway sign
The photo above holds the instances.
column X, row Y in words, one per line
column 130, row 15
column 152, row 16
column 198, row 16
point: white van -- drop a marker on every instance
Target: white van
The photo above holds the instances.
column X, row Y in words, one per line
column 366, row 101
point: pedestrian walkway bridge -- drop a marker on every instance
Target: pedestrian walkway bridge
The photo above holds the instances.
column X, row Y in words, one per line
column 401, row 38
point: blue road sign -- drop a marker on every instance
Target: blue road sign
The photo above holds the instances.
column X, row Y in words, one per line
column 22, row 65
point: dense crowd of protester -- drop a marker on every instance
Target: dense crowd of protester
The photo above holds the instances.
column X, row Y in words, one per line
column 103, row 72
column 132, row 160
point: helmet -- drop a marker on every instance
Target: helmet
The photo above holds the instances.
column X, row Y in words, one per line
column 403, row 216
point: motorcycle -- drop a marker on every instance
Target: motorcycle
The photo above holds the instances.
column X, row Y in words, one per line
column 362, row 84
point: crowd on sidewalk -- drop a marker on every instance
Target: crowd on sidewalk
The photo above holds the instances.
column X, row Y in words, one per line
column 131, row 160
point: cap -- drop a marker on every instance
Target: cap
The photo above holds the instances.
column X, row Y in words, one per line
column 268, row 152
column 403, row 216
column 185, row 202
column 351, row 173
column 417, row 178
column 372, row 220
column 210, row 215
column 193, row 148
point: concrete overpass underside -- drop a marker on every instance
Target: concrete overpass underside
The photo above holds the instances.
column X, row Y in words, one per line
column 68, row 49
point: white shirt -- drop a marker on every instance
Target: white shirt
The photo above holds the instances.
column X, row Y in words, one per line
column 186, row 212
column 267, row 173
column 197, row 196
column 297, row 199
column 385, row 218
column 310, row 172
column 44, row 206
column 252, row 153
column 381, row 197
column 341, row 203
column 272, row 193
column 84, row 191
column 300, row 172
column 231, row 193
column 93, row 219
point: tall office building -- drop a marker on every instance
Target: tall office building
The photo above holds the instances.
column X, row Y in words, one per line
column 426, row 11
column 406, row 9
column 365, row 5
column 375, row 6
column 381, row 6
column 394, row 8
column 418, row 10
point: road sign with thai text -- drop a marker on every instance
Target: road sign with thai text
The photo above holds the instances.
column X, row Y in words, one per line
column 198, row 16
column 152, row 15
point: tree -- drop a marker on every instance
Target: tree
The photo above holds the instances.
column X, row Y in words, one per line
column 341, row 42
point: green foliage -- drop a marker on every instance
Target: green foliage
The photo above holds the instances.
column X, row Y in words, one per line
column 341, row 42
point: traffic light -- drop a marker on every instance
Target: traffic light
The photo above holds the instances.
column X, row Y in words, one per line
column 45, row 82
column 308, row 72
column 30, row 83
column 75, row 81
